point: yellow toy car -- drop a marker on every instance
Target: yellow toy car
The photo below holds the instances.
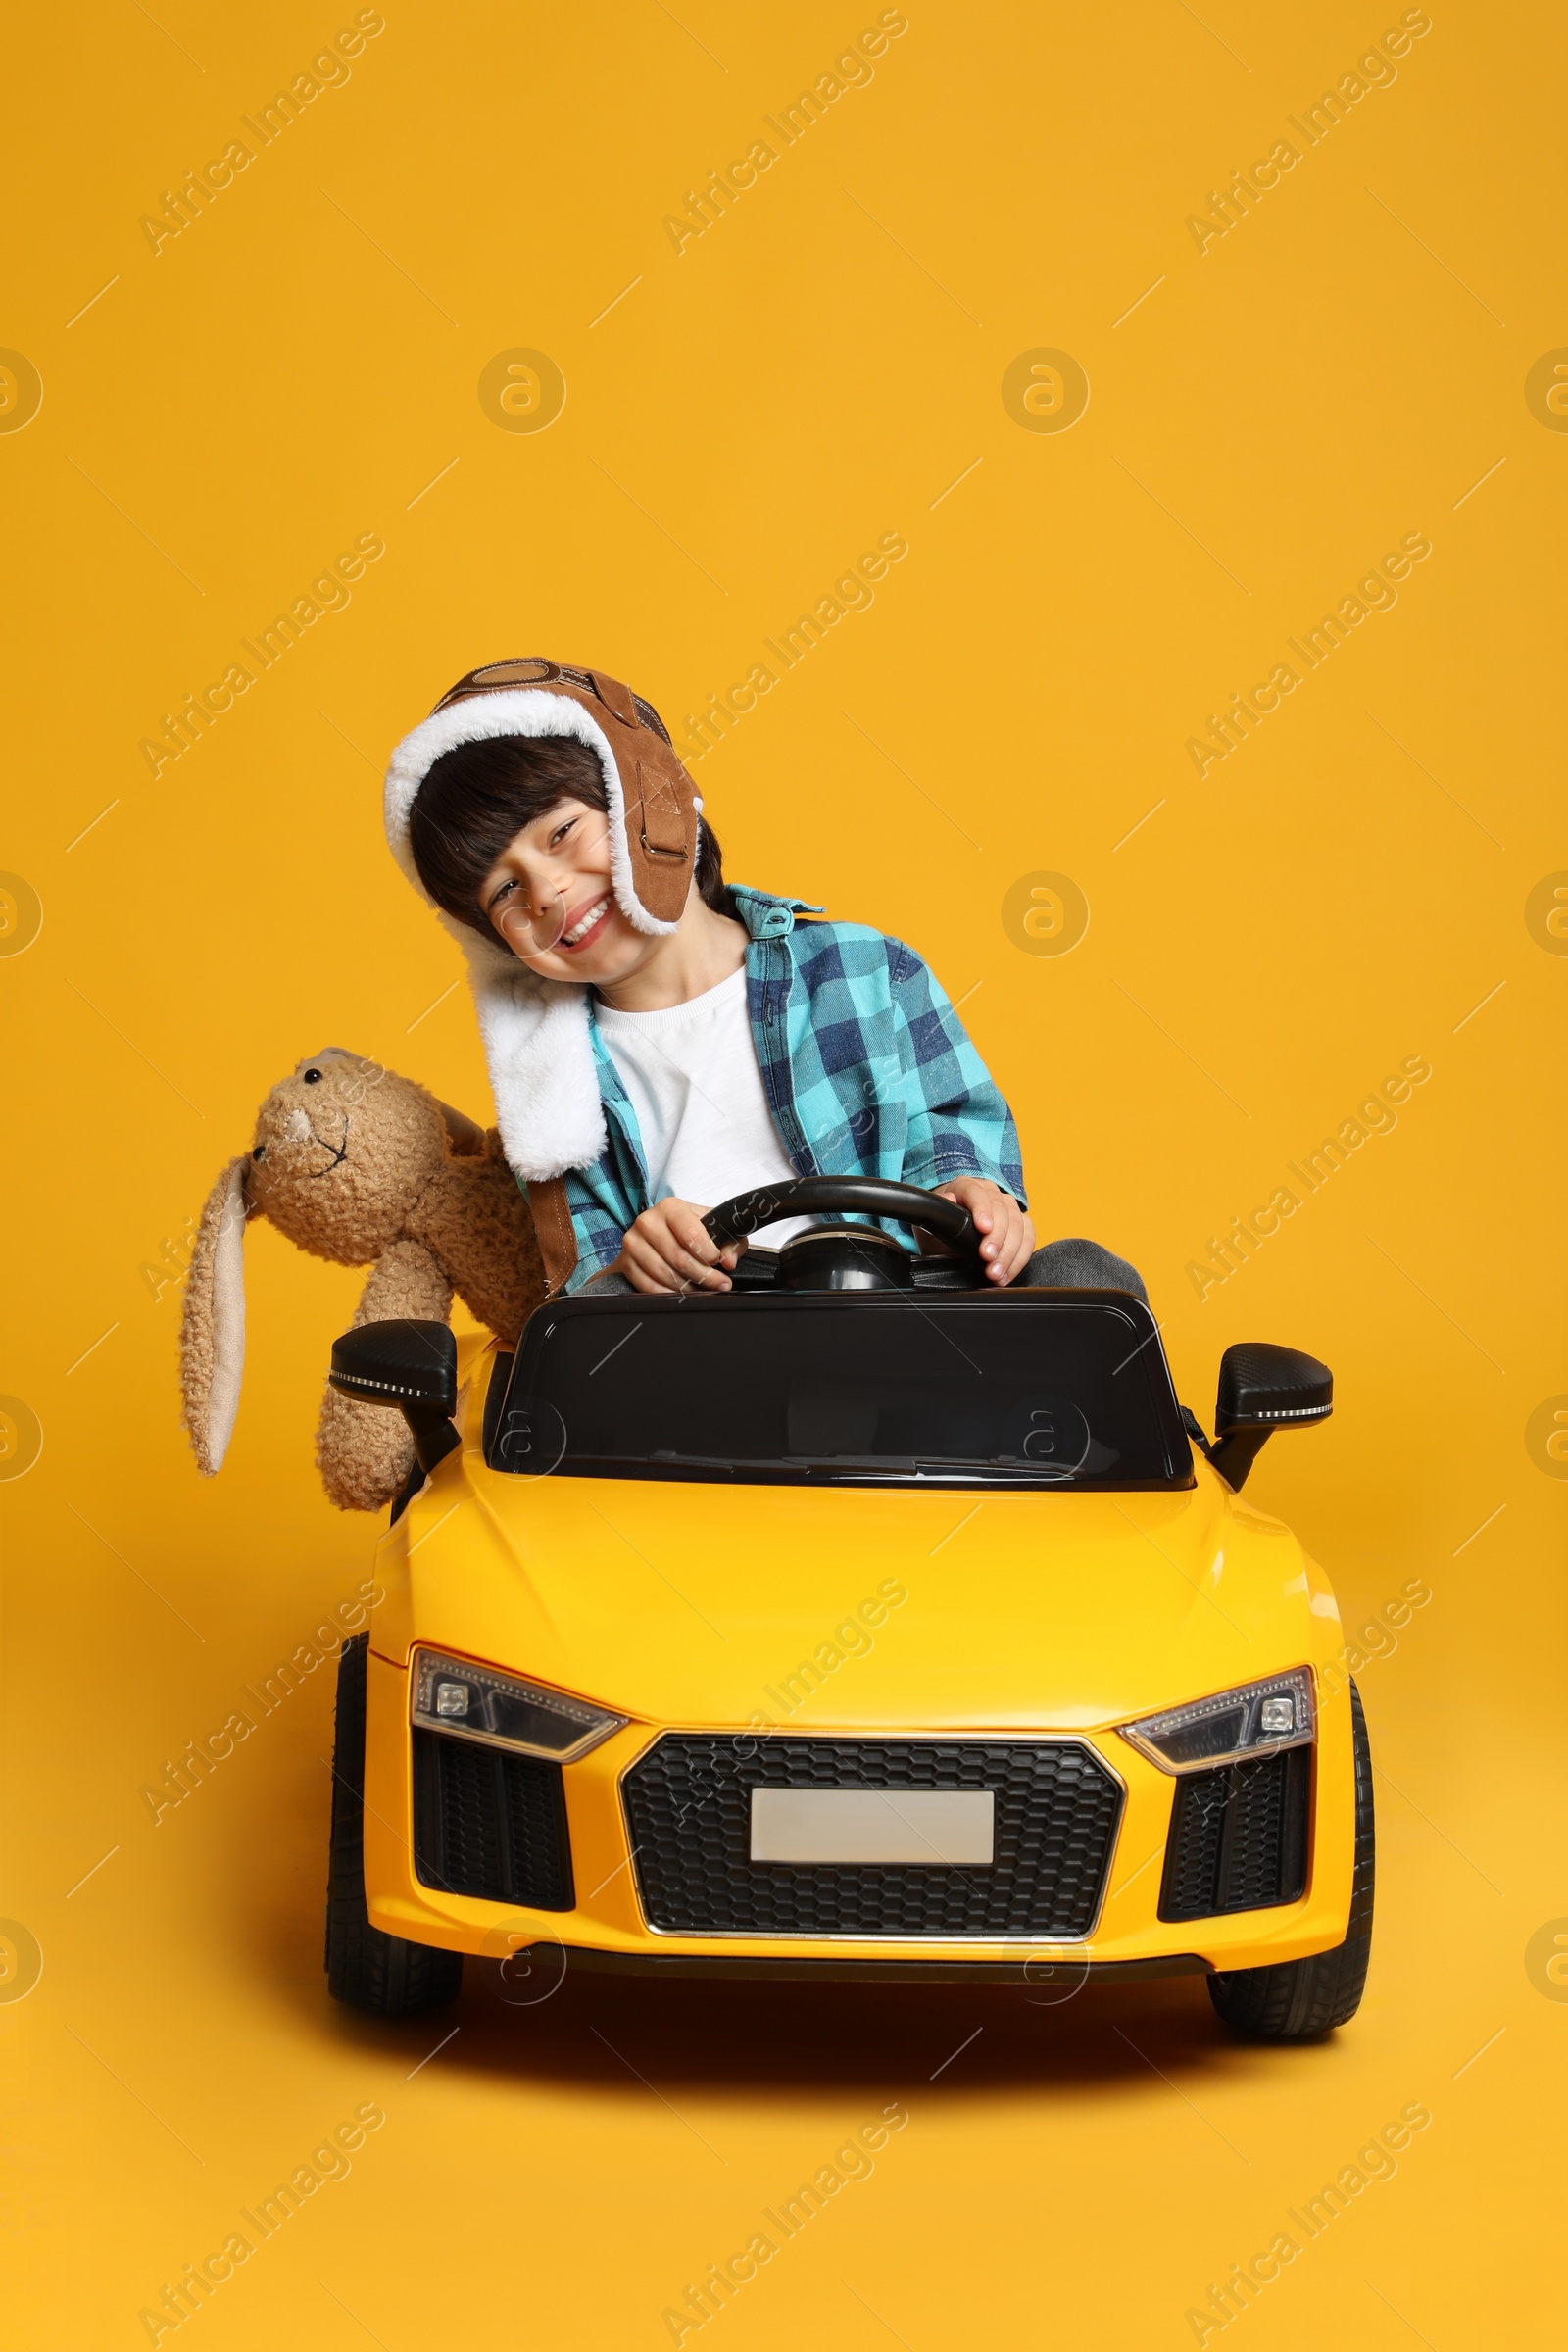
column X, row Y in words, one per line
column 862, row 1622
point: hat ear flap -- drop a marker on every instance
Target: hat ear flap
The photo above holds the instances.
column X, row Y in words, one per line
column 212, row 1335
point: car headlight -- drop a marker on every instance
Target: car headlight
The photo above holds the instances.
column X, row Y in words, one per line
column 502, row 1710
column 1232, row 1727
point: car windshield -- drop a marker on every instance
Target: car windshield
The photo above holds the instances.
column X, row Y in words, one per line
column 1012, row 1389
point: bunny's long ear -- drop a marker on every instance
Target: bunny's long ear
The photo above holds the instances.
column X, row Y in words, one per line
column 464, row 1135
column 212, row 1335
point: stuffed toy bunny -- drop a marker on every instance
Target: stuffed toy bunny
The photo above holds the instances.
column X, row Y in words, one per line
column 365, row 1168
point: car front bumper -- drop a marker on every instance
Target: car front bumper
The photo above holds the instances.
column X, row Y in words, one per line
column 605, row 1926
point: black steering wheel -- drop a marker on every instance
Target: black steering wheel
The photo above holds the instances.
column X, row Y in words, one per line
column 868, row 1196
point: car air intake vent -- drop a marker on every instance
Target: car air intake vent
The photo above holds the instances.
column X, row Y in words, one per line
column 688, row 1814
column 490, row 1824
column 1238, row 1838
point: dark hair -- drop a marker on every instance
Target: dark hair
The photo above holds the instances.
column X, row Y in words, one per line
column 478, row 797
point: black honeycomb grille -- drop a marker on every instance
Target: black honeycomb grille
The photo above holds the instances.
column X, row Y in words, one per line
column 1238, row 1838
column 688, row 1814
column 490, row 1824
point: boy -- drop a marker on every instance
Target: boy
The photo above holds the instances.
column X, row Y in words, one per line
column 659, row 1040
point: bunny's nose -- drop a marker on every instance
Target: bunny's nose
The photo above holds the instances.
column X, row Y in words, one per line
column 297, row 1127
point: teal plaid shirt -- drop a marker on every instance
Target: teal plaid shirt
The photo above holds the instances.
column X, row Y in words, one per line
column 867, row 1070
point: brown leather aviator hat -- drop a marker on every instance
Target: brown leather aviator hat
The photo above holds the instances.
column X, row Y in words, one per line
column 653, row 801
column 535, row 1032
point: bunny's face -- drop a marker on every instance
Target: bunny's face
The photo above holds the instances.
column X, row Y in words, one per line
column 342, row 1152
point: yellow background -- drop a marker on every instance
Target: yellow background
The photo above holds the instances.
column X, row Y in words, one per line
column 819, row 367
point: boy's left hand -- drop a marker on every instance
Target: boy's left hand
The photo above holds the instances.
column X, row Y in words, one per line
column 1007, row 1234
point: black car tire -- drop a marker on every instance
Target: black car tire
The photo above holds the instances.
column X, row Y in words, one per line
column 383, row 1975
column 1296, row 2000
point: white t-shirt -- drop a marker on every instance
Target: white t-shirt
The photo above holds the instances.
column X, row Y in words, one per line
column 701, row 1111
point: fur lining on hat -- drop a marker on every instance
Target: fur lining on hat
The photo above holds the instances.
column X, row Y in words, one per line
column 541, row 1062
column 535, row 1031
column 517, row 710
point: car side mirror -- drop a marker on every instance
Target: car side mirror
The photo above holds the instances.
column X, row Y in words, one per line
column 411, row 1366
column 1262, row 1389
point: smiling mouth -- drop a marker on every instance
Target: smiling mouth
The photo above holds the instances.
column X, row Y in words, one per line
column 586, row 927
column 339, row 1151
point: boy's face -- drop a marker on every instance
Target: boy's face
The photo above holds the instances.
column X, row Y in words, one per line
column 549, row 897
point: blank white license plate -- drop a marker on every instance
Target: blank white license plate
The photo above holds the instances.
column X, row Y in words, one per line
column 934, row 1825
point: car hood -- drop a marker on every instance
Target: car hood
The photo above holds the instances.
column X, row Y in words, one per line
column 714, row 1605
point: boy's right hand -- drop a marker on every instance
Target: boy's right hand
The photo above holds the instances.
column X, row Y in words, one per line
column 669, row 1249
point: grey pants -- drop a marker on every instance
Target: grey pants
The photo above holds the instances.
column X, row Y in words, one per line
column 1078, row 1265
column 1061, row 1265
